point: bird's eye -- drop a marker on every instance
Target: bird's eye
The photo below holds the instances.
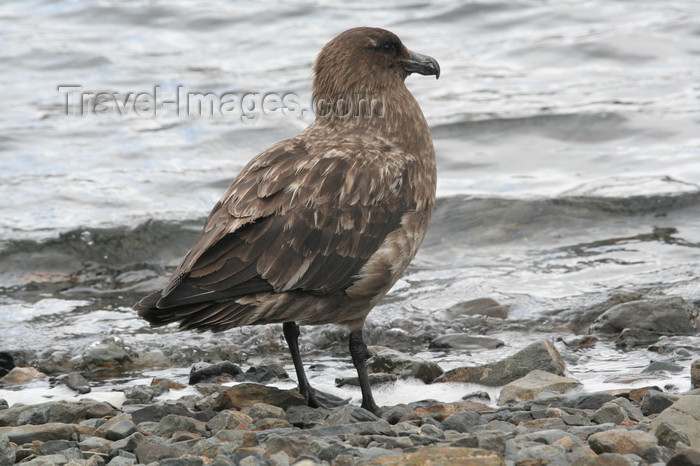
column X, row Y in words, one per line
column 388, row 47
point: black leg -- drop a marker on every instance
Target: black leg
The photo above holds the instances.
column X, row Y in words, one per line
column 314, row 398
column 358, row 351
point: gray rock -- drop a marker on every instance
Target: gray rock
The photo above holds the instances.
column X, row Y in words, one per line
column 350, row 414
column 606, row 459
column 129, row 443
column 541, row 454
column 55, row 446
column 122, row 461
column 151, row 451
column 465, row 341
column 395, row 414
column 120, row 430
column 264, row 410
column 481, row 306
column 662, row 366
column 635, row 337
column 686, row 457
column 7, row 453
column 541, row 355
column 173, row 423
column 654, row 402
column 145, row 394
column 682, row 418
column 305, row 416
column 664, row 315
column 380, row 427
column 44, row 432
column 493, row 440
column 221, row 371
column 157, row 411
column 186, row 461
column 403, row 365
column 621, row 441
column 374, row 379
column 656, row 454
column 247, row 394
column 548, row 436
column 593, row 400
column 262, row 374
column 105, row 358
column 75, row 381
column 631, row 410
column 609, row 413
column 537, row 381
column 462, row 421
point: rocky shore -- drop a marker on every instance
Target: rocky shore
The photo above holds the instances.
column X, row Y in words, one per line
column 542, row 417
column 225, row 415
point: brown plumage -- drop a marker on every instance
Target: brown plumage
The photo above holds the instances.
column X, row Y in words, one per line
column 317, row 228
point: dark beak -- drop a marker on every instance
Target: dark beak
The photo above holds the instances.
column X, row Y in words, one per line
column 421, row 64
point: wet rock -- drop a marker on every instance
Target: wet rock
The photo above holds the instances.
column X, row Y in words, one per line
column 7, row 453
column 537, row 381
column 105, row 358
column 263, row 374
column 662, row 366
column 214, row 373
column 540, row 355
column 21, row 375
column 374, row 379
column 305, row 416
column 403, row 365
column 396, row 414
column 442, row 456
column 621, row 441
column 593, row 400
column 654, row 402
column 686, row 457
column 462, row 421
column 4, row 404
column 75, row 381
column 247, row 394
column 482, row 306
column 636, row 337
column 465, row 341
column 43, row 433
column 695, row 374
column 580, row 318
column 579, row 342
column 142, row 394
column 682, row 417
column 609, row 413
column 673, row 316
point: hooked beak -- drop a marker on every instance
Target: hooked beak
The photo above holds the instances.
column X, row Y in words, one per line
column 421, row 64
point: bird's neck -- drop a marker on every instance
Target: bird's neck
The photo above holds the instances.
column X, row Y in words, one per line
column 392, row 114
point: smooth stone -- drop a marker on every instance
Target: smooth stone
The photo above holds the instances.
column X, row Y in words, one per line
column 151, row 451
column 350, row 414
column 226, row 420
column 481, row 306
column 621, row 441
column 129, row 443
column 264, row 410
column 548, row 436
column 654, row 402
column 537, row 381
column 374, row 379
column 662, row 366
column 672, row 315
column 465, row 341
column 492, row 440
column 541, row 454
column 105, row 358
column 21, row 375
column 609, row 413
column 120, row 430
column 439, row 411
column 247, row 394
column 403, row 365
column 462, row 421
column 44, row 432
column 51, row 447
column 7, row 363
column 593, row 400
column 156, row 412
column 213, row 373
column 605, row 459
column 75, row 381
column 146, row 393
column 541, row 355
column 682, row 416
column 636, row 337
column 262, row 374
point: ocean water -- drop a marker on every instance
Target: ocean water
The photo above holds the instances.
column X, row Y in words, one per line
column 567, row 136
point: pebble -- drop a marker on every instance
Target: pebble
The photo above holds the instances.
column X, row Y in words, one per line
column 252, row 424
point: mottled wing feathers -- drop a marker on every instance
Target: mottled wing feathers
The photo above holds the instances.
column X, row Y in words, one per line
column 287, row 223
